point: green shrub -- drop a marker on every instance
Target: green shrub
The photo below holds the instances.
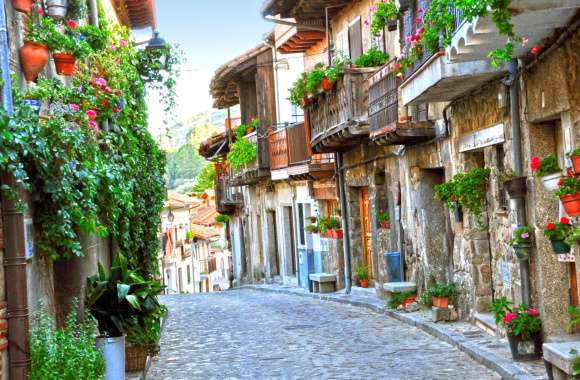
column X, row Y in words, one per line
column 372, row 58
column 314, row 78
column 65, row 354
column 362, row 272
column 398, row 299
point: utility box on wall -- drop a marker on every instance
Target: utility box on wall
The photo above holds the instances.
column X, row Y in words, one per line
column 306, row 266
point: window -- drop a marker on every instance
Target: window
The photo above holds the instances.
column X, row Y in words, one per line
column 355, row 39
column 341, row 46
column 301, row 223
column 503, row 199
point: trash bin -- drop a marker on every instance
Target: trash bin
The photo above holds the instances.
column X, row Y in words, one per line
column 393, row 269
column 306, row 266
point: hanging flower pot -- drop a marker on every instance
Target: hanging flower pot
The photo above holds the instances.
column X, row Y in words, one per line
column 392, row 25
column 571, row 204
column 575, row 163
column 33, row 58
column 522, row 251
column 56, row 8
column 550, row 181
column 335, row 234
column 385, row 224
column 516, row 187
column 24, row 6
column 64, row 63
column 560, row 247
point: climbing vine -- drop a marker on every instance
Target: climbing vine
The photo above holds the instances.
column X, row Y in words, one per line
column 88, row 161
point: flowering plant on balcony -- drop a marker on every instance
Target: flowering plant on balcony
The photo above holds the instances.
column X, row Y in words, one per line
column 242, row 151
column 382, row 215
column 560, row 230
column 568, row 186
column 384, row 12
column 544, row 166
column 372, row 58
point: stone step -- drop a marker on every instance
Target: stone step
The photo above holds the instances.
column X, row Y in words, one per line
column 400, row 287
column 486, row 322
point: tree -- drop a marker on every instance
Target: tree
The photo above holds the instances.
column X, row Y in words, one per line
column 205, row 179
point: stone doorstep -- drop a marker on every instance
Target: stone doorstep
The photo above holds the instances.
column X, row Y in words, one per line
column 322, row 277
column 505, row 368
column 558, row 354
column 400, row 287
column 485, row 322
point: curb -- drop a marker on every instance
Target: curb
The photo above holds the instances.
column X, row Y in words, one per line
column 505, row 368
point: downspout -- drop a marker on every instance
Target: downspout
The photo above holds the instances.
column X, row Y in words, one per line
column 344, row 213
column 519, row 204
column 93, row 13
column 14, row 257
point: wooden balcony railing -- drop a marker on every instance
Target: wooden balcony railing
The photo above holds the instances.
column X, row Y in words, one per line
column 278, row 149
column 288, row 146
column 339, row 119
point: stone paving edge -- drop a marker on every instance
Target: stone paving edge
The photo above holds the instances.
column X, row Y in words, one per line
column 504, row 368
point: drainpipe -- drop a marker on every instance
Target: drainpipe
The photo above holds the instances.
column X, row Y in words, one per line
column 14, row 257
column 520, row 209
column 344, row 213
column 93, row 13
column 327, row 29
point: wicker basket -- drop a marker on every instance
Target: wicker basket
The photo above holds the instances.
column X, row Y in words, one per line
column 135, row 358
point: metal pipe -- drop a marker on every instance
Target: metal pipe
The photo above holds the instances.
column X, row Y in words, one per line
column 14, row 255
column 329, row 43
column 344, row 213
column 93, row 13
column 518, row 168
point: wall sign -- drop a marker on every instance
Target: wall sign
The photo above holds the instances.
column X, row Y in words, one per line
column 28, row 239
column 482, row 138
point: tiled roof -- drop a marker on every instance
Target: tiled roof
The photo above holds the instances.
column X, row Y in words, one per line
column 203, row 232
column 205, row 216
column 135, row 13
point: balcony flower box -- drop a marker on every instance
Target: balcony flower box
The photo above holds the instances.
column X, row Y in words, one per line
column 334, row 234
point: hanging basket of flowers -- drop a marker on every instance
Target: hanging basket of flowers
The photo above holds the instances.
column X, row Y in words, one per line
column 574, row 156
column 24, row 6
column 383, row 218
column 548, row 170
column 522, row 242
column 569, row 193
column 67, row 47
column 558, row 233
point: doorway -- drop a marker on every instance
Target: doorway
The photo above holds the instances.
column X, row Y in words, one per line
column 366, row 230
column 273, row 244
column 289, row 242
column 180, row 279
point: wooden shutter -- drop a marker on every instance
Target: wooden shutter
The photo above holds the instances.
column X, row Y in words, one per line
column 341, row 47
column 355, row 39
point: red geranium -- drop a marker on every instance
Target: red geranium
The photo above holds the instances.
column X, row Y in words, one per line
column 536, row 49
column 71, row 23
column 550, row 226
column 535, row 163
column 564, row 220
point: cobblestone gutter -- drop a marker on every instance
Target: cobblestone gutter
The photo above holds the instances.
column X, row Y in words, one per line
column 492, row 352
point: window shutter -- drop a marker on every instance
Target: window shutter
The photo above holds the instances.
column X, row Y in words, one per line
column 341, row 48
column 355, row 39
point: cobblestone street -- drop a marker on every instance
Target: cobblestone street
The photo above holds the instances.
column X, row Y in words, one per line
column 256, row 335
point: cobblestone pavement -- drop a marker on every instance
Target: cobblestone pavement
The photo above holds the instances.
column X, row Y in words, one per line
column 245, row 334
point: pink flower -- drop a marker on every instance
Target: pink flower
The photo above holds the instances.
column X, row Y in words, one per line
column 366, row 22
column 123, row 43
column 508, row 317
column 536, row 49
column 533, row 312
column 93, row 124
column 525, row 235
column 101, row 82
column 71, row 23
column 40, row 11
column 74, row 107
column 91, row 114
column 107, row 89
column 420, row 30
column 418, row 20
column 113, row 48
column 373, row 8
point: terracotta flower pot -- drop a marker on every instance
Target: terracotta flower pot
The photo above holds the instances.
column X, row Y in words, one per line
column 440, row 302
column 364, row 283
column 576, row 163
column 385, row 224
column 249, row 130
column 326, row 84
column 516, row 187
column 64, row 63
column 550, row 181
column 337, row 234
column 24, row 6
column 571, row 204
column 33, row 58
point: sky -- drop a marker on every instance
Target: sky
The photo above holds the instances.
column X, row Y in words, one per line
column 210, row 32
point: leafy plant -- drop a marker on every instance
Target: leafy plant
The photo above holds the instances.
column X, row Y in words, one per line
column 574, row 314
column 445, row 192
column 362, row 272
column 312, row 228
column 242, row 152
column 373, row 57
column 333, row 223
column 573, row 152
column 68, row 353
column 382, row 215
column 544, row 166
column 506, row 175
column 70, row 41
column 573, row 237
column 385, row 11
column 560, row 230
column 123, row 302
column 42, row 31
column 189, row 235
column 298, row 90
column 521, row 236
column 568, row 186
column 314, row 78
column 398, row 299
column 336, row 71
column 221, row 218
column 499, row 307
column 443, row 290
column 522, row 321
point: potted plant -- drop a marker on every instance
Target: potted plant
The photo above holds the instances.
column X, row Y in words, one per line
column 56, row 8
column 383, row 218
column 515, row 186
column 312, row 228
column 189, row 235
column 67, row 47
column 221, row 218
column 117, row 302
column 440, row 294
column 24, row 6
column 34, row 53
column 372, row 58
column 385, row 12
column 362, row 274
column 522, row 242
column 522, row 325
column 548, row 170
column 569, row 193
column 314, row 79
column 558, row 234
column 402, row 299
column 334, row 228
column 574, row 156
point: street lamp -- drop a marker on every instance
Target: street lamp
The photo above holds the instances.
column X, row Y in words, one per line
column 154, row 43
column 170, row 216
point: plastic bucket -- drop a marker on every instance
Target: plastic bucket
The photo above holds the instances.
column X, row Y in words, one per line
column 114, row 354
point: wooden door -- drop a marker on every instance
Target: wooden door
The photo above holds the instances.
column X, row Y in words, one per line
column 366, row 231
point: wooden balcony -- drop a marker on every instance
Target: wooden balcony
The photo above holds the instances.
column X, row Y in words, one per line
column 290, row 156
column 256, row 170
column 226, row 199
column 386, row 127
column 339, row 119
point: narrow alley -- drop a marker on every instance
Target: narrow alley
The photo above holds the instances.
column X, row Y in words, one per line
column 249, row 334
